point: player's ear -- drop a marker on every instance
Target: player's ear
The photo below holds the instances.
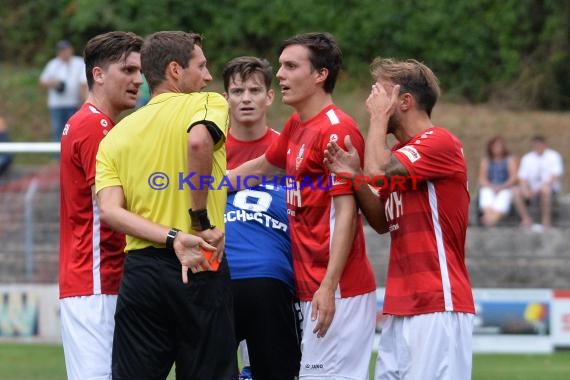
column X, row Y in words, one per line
column 173, row 70
column 225, row 94
column 322, row 75
column 269, row 97
column 98, row 75
column 406, row 101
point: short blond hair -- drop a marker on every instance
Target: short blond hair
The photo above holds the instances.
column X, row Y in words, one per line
column 413, row 77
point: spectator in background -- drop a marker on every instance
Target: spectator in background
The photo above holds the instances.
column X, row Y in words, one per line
column 497, row 176
column 64, row 78
column 539, row 177
column 5, row 158
column 91, row 254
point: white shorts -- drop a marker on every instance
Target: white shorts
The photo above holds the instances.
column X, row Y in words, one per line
column 87, row 325
column 500, row 201
column 435, row 346
column 344, row 352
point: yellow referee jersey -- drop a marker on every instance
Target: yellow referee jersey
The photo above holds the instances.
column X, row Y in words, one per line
column 147, row 154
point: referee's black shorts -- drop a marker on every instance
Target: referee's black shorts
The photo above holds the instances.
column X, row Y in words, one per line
column 160, row 321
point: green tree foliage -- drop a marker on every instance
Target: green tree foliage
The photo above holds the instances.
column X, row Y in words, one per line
column 516, row 52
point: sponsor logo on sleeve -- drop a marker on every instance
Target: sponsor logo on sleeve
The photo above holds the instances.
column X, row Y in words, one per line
column 410, row 152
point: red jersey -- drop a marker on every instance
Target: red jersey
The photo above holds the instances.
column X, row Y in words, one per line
column 238, row 152
column 310, row 191
column 91, row 254
column 428, row 222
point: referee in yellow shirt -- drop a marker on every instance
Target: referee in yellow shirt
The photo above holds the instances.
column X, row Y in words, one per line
column 159, row 174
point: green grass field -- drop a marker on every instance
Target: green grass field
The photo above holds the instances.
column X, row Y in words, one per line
column 45, row 362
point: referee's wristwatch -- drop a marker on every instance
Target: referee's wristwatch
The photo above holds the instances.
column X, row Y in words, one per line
column 170, row 237
column 200, row 220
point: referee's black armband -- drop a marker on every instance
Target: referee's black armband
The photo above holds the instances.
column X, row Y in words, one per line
column 215, row 132
column 200, row 220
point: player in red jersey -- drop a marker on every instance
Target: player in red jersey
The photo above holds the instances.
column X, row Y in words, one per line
column 428, row 293
column 333, row 276
column 91, row 254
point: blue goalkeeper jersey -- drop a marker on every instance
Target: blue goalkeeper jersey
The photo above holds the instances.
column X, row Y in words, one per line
column 257, row 234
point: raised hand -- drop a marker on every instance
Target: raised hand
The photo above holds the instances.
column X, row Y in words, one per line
column 345, row 164
column 381, row 105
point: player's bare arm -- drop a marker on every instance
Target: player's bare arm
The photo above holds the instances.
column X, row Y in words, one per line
column 200, row 156
column 111, row 202
column 258, row 167
column 323, row 304
column 347, row 162
column 395, row 168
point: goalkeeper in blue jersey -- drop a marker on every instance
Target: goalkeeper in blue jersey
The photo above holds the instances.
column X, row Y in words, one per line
column 257, row 246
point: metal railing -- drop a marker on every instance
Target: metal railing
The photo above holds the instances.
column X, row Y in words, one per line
column 29, row 217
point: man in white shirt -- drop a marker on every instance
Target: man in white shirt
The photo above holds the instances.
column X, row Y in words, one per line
column 539, row 176
column 64, row 77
